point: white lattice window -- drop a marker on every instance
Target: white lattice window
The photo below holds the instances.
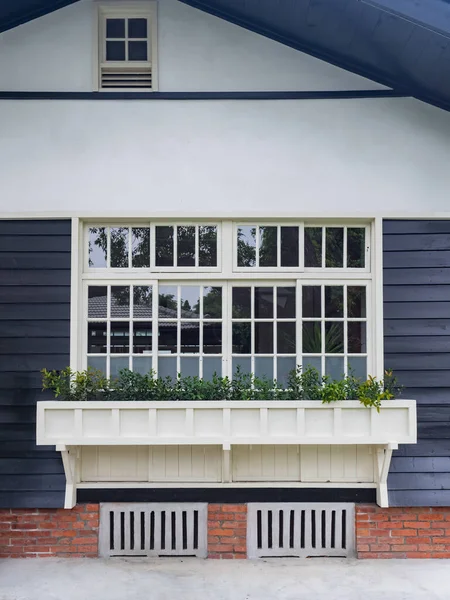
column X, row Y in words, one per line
column 173, row 297
column 127, row 46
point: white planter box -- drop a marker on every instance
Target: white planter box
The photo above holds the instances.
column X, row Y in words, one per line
column 224, row 423
column 69, row 425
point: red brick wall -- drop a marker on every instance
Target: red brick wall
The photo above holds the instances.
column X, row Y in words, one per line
column 49, row 532
column 402, row 532
column 227, row 531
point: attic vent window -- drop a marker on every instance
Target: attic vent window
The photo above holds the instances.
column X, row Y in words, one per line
column 127, row 48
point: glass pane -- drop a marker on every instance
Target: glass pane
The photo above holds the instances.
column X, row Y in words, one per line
column 167, row 367
column 142, row 364
column 356, row 245
column 241, row 302
column 285, row 302
column 189, row 367
column 268, row 246
column 97, row 302
column 167, row 338
column 190, row 302
column 115, row 51
column 137, row 28
column 263, row 338
column 98, row 363
column 312, row 362
column 97, row 247
column 334, row 301
column 289, row 247
column 312, row 337
column 246, row 246
column 137, row 51
column 186, row 246
column 190, row 337
column 164, row 246
column 142, row 338
column 264, row 367
column 334, row 247
column 356, row 301
column 120, row 337
column 207, row 246
column 334, row 338
column 142, row 299
column 96, row 338
column 357, row 366
column 211, row 366
column 212, row 338
column 311, row 301
column 241, row 338
column 357, row 338
column 284, row 367
column 313, row 247
column 334, row 367
column 120, row 302
column 243, row 364
column 286, row 338
column 212, row 302
column 119, row 247
column 118, row 364
column 140, row 247
column 167, row 302
column 263, row 302
column 115, row 28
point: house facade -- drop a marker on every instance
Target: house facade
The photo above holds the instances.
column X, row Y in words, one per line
column 182, row 194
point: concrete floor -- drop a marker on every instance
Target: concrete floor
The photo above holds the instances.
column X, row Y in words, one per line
column 190, row 579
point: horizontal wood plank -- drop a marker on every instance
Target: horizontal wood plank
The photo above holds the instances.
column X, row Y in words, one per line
column 28, row 294
column 413, row 344
column 410, row 226
column 39, row 227
column 430, row 327
column 419, row 497
column 31, row 466
column 419, row 360
column 31, row 499
column 29, row 277
column 416, row 259
column 36, row 260
column 34, row 243
column 414, row 241
column 417, row 310
column 414, row 276
column 419, row 464
column 23, row 329
column 416, row 293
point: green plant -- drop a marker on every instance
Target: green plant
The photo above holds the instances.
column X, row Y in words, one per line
column 79, row 385
column 305, row 384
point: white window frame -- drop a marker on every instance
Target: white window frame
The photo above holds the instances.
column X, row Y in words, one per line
column 354, row 271
column 153, row 268
column 125, row 10
column 226, row 275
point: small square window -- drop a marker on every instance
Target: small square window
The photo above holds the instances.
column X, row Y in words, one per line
column 127, row 47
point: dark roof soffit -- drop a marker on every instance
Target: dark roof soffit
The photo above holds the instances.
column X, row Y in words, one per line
column 400, row 44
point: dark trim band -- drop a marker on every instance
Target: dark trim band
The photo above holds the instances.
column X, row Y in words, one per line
column 332, row 95
column 228, row 495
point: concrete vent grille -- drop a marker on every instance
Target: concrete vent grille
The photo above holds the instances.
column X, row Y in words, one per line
column 300, row 530
column 153, row 530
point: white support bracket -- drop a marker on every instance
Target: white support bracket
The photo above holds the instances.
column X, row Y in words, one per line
column 382, row 463
column 70, row 456
column 226, row 463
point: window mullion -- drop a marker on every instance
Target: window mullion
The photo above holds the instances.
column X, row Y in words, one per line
column 155, row 326
column 299, row 323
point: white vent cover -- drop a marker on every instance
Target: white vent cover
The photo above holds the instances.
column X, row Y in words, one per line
column 300, row 530
column 126, row 78
column 153, row 530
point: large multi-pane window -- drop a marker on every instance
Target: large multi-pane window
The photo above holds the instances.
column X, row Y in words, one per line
column 203, row 298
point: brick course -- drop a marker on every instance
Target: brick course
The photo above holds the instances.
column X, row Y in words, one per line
column 227, row 531
column 26, row 533
column 402, row 532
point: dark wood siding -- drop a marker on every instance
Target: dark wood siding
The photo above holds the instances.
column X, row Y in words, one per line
column 417, row 346
column 34, row 333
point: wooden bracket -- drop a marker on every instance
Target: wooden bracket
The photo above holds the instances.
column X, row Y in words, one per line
column 70, row 456
column 382, row 463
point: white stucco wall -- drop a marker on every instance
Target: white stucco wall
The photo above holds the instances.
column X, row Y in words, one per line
column 324, row 158
column 196, row 52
